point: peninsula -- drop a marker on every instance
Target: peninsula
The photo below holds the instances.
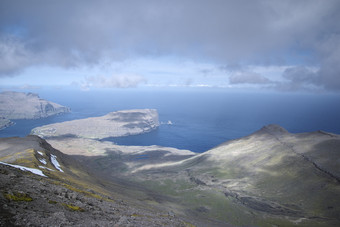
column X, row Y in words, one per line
column 18, row 105
column 114, row 124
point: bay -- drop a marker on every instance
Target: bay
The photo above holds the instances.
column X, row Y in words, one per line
column 200, row 118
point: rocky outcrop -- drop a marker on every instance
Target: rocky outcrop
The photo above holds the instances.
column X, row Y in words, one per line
column 115, row 124
column 17, row 105
column 4, row 123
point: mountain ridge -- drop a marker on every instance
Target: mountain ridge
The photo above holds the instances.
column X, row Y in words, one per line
column 271, row 177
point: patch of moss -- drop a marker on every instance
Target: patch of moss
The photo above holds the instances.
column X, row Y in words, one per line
column 86, row 193
column 17, row 196
column 73, row 208
column 187, row 224
column 137, row 215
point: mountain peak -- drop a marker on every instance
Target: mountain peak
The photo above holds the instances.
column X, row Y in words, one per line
column 273, row 129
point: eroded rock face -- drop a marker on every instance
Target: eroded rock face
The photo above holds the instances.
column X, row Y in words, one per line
column 115, row 124
column 18, row 105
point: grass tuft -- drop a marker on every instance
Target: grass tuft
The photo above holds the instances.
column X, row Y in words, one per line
column 73, row 208
column 18, row 197
column 187, row 224
column 52, row 202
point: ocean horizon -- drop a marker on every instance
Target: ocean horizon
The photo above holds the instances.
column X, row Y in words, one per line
column 196, row 119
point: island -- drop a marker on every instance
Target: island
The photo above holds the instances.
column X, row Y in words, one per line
column 114, row 124
column 19, row 105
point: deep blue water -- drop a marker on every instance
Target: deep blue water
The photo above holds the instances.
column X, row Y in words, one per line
column 201, row 119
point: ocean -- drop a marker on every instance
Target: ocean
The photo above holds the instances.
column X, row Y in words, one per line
column 201, row 118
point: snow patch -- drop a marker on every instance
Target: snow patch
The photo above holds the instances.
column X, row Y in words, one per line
column 35, row 171
column 44, row 167
column 43, row 161
column 39, row 152
column 55, row 162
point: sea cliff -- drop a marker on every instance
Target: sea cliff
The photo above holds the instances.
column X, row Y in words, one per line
column 18, row 105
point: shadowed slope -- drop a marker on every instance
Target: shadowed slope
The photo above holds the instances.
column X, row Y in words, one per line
column 67, row 194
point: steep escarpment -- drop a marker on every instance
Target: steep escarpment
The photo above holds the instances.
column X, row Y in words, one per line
column 18, row 105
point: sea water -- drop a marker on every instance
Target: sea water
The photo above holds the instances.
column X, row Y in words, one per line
column 195, row 119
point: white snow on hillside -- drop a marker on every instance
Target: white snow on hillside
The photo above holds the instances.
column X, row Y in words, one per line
column 55, row 162
column 23, row 168
column 43, row 161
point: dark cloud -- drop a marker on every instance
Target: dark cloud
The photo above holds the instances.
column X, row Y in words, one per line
column 14, row 56
column 248, row 78
column 72, row 33
column 327, row 76
column 329, row 73
column 300, row 75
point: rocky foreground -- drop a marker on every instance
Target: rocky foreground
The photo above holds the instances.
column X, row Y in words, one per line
column 18, row 105
column 47, row 188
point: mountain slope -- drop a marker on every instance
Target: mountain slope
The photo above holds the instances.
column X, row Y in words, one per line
column 64, row 192
column 271, row 177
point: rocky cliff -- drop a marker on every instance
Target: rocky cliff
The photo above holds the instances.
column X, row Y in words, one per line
column 4, row 123
column 17, row 105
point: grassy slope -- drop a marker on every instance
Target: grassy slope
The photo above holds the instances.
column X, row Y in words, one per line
column 269, row 178
column 78, row 178
column 262, row 179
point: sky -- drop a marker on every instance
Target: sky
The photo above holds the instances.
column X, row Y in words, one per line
column 286, row 46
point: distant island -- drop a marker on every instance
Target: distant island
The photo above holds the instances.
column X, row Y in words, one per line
column 19, row 105
column 114, row 124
